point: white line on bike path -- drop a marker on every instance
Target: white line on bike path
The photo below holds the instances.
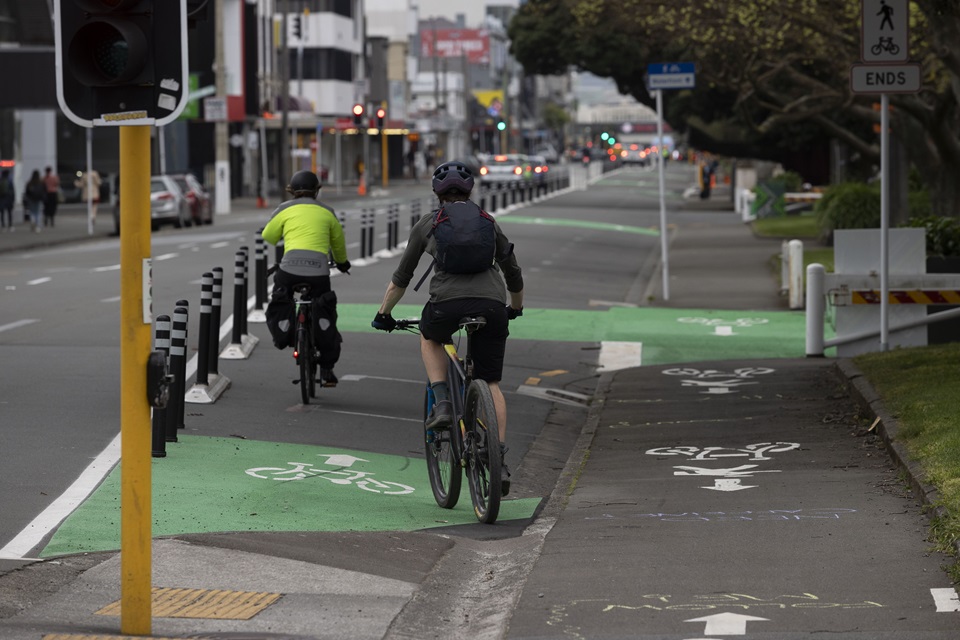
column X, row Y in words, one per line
column 63, row 506
column 946, row 599
column 18, row 323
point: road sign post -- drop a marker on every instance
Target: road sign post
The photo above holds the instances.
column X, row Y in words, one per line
column 884, row 42
column 660, row 76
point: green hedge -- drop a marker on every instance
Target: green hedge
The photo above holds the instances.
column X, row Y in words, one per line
column 854, row 205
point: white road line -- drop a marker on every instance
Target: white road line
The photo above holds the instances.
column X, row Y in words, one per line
column 165, row 256
column 220, row 245
column 946, row 599
column 18, row 323
column 113, row 267
column 63, row 506
column 377, row 415
column 40, row 280
column 113, row 299
column 619, row 355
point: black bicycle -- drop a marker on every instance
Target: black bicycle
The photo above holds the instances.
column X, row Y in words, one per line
column 304, row 348
column 472, row 443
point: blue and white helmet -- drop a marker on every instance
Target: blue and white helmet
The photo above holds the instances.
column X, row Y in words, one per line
column 452, row 176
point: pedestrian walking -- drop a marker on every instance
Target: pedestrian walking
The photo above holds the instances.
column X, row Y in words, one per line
column 7, row 193
column 33, row 194
column 51, row 182
column 89, row 183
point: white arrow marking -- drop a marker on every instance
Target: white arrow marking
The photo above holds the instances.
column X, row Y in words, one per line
column 727, row 624
column 729, row 484
column 340, row 460
column 946, row 599
column 719, row 391
column 723, row 330
column 743, row 471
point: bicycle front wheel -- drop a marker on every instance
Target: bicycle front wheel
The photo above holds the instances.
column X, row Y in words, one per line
column 443, row 459
column 482, row 444
column 305, row 360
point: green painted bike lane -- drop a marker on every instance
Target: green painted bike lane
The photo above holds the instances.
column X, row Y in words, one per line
column 306, row 488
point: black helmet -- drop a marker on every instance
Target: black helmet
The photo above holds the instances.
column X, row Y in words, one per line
column 304, row 182
column 452, row 176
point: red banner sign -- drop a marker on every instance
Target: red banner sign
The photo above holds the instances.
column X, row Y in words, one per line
column 454, row 43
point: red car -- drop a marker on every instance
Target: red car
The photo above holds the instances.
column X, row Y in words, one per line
column 201, row 207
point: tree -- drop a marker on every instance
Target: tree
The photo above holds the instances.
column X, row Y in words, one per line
column 770, row 72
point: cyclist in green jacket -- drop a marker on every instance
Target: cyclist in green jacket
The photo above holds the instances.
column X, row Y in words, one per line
column 312, row 238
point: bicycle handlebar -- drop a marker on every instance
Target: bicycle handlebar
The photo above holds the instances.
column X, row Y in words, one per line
column 408, row 324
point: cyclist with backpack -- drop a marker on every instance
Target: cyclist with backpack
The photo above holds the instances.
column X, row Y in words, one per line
column 312, row 236
column 473, row 261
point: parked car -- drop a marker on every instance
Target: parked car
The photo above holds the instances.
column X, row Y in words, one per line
column 508, row 167
column 548, row 151
column 168, row 204
column 201, row 207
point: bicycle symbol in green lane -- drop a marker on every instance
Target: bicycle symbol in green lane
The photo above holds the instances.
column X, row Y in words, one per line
column 226, row 484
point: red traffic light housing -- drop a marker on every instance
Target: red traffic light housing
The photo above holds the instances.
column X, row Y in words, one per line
column 381, row 116
column 358, row 114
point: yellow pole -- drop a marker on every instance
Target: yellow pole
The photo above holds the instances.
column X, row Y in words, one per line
column 135, row 423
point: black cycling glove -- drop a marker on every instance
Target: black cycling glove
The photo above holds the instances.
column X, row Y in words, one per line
column 513, row 314
column 344, row 267
column 384, row 322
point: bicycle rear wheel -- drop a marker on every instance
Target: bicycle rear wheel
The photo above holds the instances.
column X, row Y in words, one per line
column 443, row 458
column 305, row 360
column 482, row 444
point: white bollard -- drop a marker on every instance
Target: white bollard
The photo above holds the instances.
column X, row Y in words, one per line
column 795, row 249
column 816, row 306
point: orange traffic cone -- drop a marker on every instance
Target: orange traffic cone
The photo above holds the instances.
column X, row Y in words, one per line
column 362, row 189
column 261, row 202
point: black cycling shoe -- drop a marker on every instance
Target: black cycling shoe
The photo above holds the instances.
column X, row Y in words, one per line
column 327, row 378
column 441, row 417
column 504, row 472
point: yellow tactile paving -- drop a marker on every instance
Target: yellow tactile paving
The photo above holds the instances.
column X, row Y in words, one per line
column 216, row 604
column 81, row 636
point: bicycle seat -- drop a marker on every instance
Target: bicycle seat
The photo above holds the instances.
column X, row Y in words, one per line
column 302, row 288
column 472, row 323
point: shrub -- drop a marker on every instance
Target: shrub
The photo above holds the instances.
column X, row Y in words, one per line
column 943, row 234
column 850, row 205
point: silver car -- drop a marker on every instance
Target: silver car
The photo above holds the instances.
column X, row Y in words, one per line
column 168, row 204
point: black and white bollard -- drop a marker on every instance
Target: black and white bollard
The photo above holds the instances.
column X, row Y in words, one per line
column 365, row 229
column 208, row 387
column 178, row 364
column 161, row 343
column 393, row 227
column 245, row 291
column 414, row 212
column 372, row 224
column 216, row 315
column 240, row 345
column 257, row 315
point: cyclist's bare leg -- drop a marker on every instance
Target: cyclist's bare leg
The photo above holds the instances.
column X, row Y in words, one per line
column 501, row 406
column 434, row 360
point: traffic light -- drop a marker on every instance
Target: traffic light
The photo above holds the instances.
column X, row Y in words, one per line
column 121, row 62
column 358, row 114
column 381, row 115
column 297, row 27
column 501, row 126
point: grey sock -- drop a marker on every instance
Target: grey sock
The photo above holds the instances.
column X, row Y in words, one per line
column 441, row 391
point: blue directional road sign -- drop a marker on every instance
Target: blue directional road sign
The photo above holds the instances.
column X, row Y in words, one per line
column 671, row 75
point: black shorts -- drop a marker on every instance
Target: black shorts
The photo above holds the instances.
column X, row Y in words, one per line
column 440, row 320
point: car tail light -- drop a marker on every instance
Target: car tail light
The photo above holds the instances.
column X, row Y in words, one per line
column 484, row 171
column 165, row 195
column 518, row 170
column 538, row 170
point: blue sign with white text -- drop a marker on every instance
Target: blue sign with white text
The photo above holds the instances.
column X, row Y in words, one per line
column 671, row 75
